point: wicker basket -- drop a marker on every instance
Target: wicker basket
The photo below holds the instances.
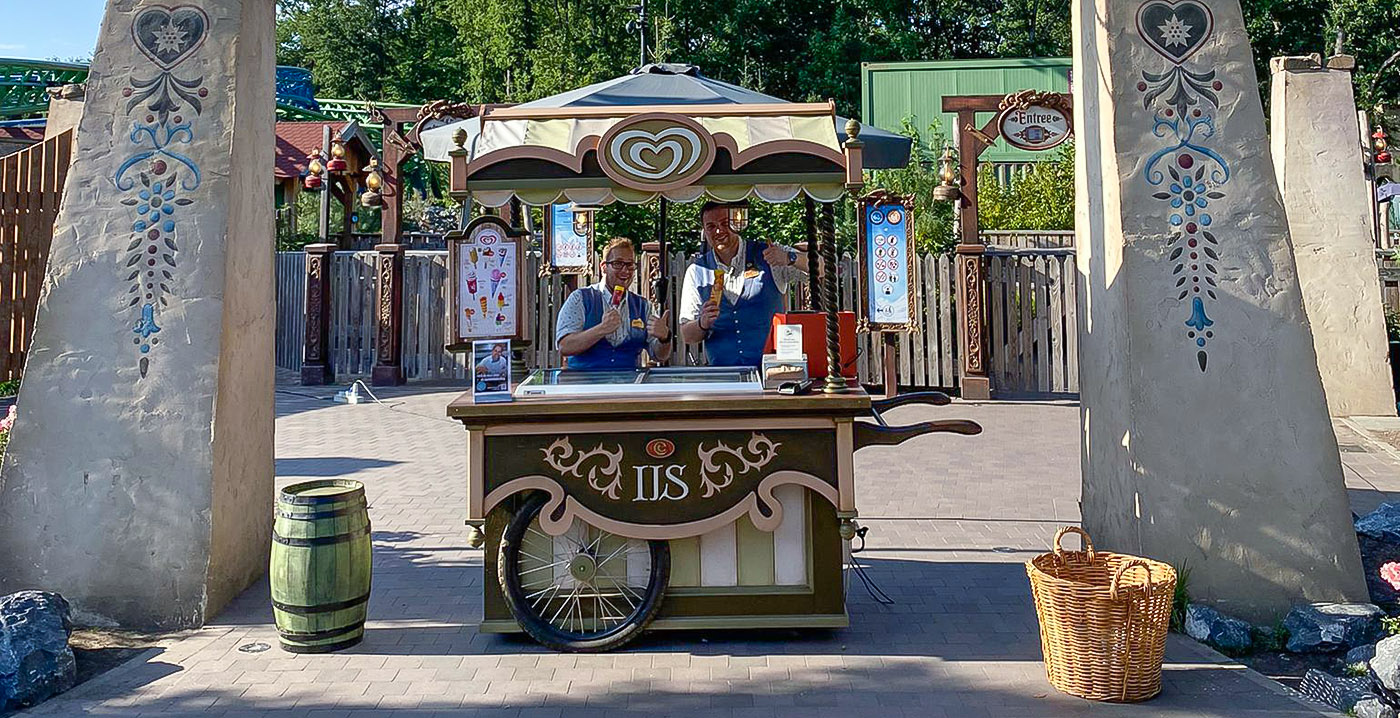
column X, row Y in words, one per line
column 1103, row 620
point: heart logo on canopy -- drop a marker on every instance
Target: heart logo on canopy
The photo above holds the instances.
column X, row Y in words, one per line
column 640, row 152
column 169, row 35
column 1176, row 30
column 656, row 152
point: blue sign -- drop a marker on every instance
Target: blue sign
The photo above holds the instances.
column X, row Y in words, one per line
column 887, row 264
column 567, row 249
column 1387, row 191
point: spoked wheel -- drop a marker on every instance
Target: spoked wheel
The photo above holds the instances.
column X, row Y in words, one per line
column 584, row 590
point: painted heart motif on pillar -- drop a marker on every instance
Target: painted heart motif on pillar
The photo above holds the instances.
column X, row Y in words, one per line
column 169, row 35
column 1176, row 30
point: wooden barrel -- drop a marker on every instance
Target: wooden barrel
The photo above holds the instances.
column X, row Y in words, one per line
column 320, row 567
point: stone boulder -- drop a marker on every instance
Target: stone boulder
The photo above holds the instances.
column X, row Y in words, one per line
column 1340, row 693
column 1360, row 654
column 1326, row 627
column 1212, row 627
column 1385, row 666
column 1372, row 707
column 1382, row 524
column 35, row 660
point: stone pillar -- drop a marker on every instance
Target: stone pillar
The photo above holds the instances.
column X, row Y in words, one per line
column 388, row 343
column 316, row 368
column 1320, row 169
column 138, row 482
column 1206, row 436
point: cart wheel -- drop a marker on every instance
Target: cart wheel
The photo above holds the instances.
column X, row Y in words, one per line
column 585, row 590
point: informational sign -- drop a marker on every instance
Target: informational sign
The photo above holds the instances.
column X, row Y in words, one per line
column 487, row 278
column 788, row 343
column 1033, row 120
column 491, row 371
column 1387, row 192
column 887, row 261
column 568, row 251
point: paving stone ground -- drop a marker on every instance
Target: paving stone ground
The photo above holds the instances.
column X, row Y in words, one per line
column 951, row 518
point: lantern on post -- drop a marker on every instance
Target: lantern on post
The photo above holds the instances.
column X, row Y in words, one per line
column 947, row 189
column 1379, row 147
column 313, row 181
column 739, row 217
column 583, row 220
column 373, row 196
column 337, row 162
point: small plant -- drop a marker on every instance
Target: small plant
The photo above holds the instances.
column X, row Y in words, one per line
column 1392, row 321
column 1180, row 598
column 1391, row 625
column 5, row 425
column 1356, row 670
column 9, row 388
column 1271, row 639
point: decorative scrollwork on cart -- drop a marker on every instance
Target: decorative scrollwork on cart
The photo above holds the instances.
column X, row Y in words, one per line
column 595, row 465
column 716, row 475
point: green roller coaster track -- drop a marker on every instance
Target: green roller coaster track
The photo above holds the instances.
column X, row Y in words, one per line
column 23, row 99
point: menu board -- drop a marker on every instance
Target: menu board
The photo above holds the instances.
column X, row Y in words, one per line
column 567, row 250
column 486, row 282
column 887, row 261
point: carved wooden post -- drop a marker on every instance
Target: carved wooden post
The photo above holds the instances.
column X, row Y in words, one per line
column 316, row 366
column 971, row 272
column 388, row 336
column 648, row 269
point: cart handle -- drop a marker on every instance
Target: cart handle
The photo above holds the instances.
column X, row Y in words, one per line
column 932, row 398
column 1118, row 575
column 1083, row 536
column 867, row 434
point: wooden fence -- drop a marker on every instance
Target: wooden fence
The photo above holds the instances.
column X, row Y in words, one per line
column 31, row 186
column 926, row 358
column 1033, row 335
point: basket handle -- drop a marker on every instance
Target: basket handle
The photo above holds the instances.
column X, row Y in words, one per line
column 1083, row 536
column 1122, row 569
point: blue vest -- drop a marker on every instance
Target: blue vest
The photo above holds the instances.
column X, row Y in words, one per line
column 603, row 355
column 742, row 328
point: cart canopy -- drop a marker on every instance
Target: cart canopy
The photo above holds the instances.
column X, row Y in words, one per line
column 663, row 130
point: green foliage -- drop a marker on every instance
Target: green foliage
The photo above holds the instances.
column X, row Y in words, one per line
column 1391, row 625
column 1040, row 198
column 1271, row 639
column 1392, row 324
column 1181, row 596
column 9, row 388
column 1356, row 670
column 933, row 220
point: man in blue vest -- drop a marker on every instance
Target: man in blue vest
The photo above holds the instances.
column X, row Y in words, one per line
column 600, row 327
column 734, row 323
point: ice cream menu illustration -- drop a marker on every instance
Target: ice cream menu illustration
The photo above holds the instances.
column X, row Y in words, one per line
column 487, row 283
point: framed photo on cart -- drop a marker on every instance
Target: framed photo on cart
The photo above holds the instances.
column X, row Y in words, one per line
column 885, row 228
column 569, row 252
column 487, row 270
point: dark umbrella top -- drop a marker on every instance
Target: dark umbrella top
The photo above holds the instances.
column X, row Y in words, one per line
column 675, row 85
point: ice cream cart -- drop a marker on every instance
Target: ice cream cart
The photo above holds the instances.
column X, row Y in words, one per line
column 668, row 497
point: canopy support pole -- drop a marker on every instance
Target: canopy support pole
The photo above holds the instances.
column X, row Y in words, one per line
column 813, row 257
column 661, row 284
column 835, row 381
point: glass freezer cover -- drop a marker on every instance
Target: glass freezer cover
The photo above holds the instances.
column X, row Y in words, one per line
column 640, row 382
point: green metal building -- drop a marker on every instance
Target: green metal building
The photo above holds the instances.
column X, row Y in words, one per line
column 890, row 92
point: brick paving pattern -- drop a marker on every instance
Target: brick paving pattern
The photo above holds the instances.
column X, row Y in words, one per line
column 951, row 518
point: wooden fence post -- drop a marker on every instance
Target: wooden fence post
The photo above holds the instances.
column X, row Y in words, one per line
column 316, row 366
column 388, row 354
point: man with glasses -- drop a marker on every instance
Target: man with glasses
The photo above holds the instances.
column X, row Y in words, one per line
column 600, row 327
column 756, row 276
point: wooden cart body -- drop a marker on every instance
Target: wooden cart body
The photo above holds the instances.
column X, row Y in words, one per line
column 749, row 490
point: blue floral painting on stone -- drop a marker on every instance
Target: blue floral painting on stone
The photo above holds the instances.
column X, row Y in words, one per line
column 158, row 174
column 1187, row 174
